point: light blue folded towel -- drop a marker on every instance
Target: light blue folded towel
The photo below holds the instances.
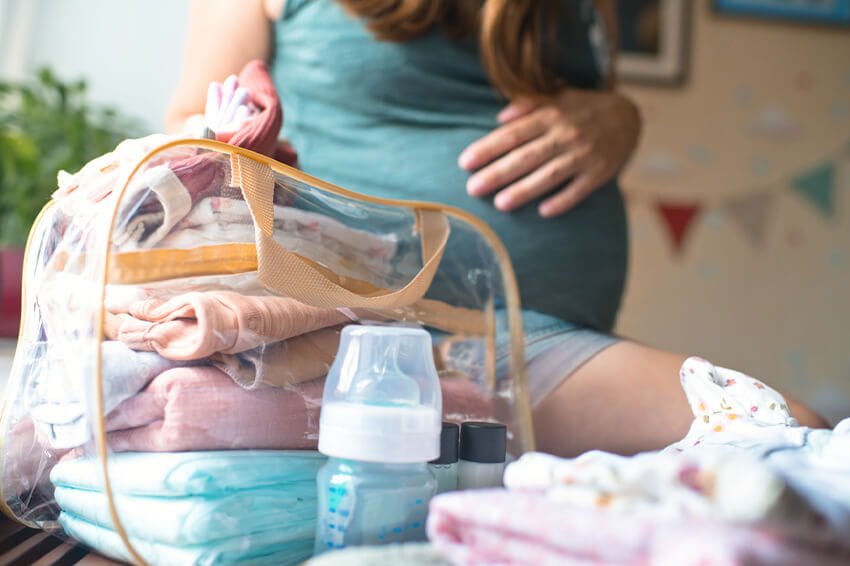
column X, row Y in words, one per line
column 289, row 509
column 263, row 548
column 190, row 473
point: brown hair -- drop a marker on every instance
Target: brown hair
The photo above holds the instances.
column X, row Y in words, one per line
column 513, row 35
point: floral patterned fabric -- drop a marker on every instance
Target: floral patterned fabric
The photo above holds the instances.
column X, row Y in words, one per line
column 746, row 485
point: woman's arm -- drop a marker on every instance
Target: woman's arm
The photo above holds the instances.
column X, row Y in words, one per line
column 223, row 35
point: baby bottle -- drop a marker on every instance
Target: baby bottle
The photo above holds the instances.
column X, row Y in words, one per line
column 380, row 426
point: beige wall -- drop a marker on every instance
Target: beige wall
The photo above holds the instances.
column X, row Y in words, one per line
column 763, row 103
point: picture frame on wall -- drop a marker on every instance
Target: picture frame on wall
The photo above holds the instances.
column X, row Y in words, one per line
column 654, row 40
column 804, row 11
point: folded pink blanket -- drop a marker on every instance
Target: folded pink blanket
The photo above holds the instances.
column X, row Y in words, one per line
column 196, row 325
column 511, row 527
column 201, row 408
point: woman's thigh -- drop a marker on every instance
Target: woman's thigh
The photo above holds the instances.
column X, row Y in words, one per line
column 626, row 399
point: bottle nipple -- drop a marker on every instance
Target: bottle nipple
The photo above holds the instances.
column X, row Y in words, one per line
column 382, row 400
column 379, row 380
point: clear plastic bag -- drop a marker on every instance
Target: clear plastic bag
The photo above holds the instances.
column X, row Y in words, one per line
column 183, row 302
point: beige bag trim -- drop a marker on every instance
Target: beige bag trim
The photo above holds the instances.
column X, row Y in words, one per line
column 150, row 266
column 288, row 275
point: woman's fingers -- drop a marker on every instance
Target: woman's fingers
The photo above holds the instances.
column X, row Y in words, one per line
column 515, row 164
column 568, row 146
column 540, row 181
column 517, row 108
column 502, row 140
column 572, row 194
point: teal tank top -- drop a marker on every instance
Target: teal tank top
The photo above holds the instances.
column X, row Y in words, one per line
column 389, row 119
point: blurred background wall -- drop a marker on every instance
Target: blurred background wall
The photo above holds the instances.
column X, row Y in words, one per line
column 749, row 158
column 128, row 52
column 739, row 193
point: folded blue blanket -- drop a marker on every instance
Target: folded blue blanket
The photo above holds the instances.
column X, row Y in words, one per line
column 190, row 473
column 264, row 548
column 289, row 509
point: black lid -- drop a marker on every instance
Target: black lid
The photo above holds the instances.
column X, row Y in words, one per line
column 483, row 442
column 448, row 445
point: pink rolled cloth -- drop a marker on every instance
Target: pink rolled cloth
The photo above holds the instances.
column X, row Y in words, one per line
column 198, row 324
column 201, row 408
column 260, row 133
column 200, row 173
column 205, row 172
column 498, row 526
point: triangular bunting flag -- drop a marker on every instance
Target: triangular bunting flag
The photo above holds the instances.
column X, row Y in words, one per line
column 678, row 219
column 818, row 186
column 750, row 213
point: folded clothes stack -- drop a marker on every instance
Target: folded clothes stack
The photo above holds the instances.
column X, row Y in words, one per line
column 212, row 370
column 746, row 485
column 223, row 507
column 251, row 357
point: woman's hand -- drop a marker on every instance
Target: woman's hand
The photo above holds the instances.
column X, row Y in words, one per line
column 573, row 143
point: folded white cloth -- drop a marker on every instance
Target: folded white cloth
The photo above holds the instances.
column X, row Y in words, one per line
column 154, row 203
column 744, row 460
column 734, row 409
column 353, row 252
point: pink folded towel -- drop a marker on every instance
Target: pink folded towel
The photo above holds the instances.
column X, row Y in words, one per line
column 198, row 324
column 501, row 526
column 201, row 408
column 260, row 133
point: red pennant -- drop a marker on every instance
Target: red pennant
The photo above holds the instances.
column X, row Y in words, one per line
column 678, row 219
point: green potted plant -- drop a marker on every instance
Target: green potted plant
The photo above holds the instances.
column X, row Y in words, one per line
column 46, row 125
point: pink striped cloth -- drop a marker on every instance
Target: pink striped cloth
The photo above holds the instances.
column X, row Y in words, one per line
column 499, row 526
column 195, row 325
column 201, row 408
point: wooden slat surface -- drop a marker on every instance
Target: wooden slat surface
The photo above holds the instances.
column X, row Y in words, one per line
column 23, row 546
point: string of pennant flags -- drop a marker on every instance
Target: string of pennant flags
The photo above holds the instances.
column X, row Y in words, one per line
column 750, row 211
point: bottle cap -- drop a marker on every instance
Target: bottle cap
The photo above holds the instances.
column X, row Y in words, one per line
column 483, row 442
column 382, row 399
column 448, row 445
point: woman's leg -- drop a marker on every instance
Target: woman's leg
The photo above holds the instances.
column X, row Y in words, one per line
column 626, row 399
column 804, row 415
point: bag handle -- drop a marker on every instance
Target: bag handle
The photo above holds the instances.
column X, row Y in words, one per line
column 291, row 275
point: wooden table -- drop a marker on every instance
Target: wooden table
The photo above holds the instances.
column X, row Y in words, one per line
column 23, row 546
